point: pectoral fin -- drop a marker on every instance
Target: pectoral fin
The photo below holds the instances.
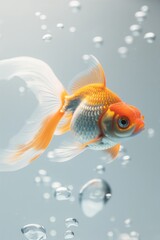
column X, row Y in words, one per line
column 113, row 151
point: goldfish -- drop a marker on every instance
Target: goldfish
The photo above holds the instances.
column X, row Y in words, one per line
column 97, row 117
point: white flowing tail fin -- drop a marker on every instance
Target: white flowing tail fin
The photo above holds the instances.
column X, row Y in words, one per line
column 34, row 137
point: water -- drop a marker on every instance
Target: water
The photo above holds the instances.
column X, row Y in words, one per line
column 93, row 196
column 61, row 34
column 150, row 37
column 34, row 232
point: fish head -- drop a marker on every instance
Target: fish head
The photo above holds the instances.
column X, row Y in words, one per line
column 121, row 120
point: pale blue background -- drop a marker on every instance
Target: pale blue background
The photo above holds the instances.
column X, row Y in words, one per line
column 136, row 192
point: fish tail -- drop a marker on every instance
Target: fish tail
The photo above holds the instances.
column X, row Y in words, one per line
column 35, row 136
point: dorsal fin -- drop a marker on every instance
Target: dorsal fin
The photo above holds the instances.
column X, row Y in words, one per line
column 94, row 74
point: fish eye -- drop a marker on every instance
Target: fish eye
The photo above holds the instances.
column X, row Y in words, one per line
column 123, row 122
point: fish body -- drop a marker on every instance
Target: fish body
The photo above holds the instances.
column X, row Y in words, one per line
column 99, row 119
column 88, row 104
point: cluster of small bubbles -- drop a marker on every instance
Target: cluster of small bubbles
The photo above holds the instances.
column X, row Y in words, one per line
column 93, row 196
column 123, row 51
column 135, row 30
column 151, row 132
column 140, row 16
column 52, row 219
column 22, row 89
column 150, row 37
column 34, row 232
column 53, row 233
column 125, row 160
column 62, row 193
column 43, row 26
column 145, row 8
column 75, row 5
column 69, row 234
column 72, row 29
column 42, row 177
column 43, row 17
column 129, row 39
column 127, row 222
column 100, row 169
column 46, row 196
column 71, row 222
column 60, row 25
column 98, row 41
column 47, row 37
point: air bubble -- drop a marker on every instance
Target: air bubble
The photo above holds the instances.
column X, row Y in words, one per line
column 46, row 196
column 110, row 234
column 124, row 236
column 34, row 232
column 43, row 17
column 47, row 38
column 69, row 234
column 72, row 29
column 128, row 39
column 37, row 14
column 123, row 51
column 100, row 169
column 127, row 222
column 98, row 41
column 60, row 25
column 136, row 30
column 93, row 196
column 140, row 16
column 53, row 233
column 150, row 37
column 52, row 219
column 22, row 89
column 145, row 8
column 71, row 222
column 55, row 185
column 42, row 172
column 151, row 132
column 37, row 179
column 62, row 193
column 75, row 6
column 43, row 26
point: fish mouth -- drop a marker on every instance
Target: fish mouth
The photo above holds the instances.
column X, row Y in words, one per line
column 140, row 125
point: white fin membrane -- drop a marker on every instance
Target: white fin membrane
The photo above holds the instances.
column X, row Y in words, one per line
column 48, row 90
column 94, row 74
column 67, row 152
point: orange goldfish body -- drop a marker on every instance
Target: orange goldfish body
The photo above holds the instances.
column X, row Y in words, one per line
column 99, row 119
